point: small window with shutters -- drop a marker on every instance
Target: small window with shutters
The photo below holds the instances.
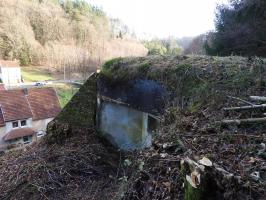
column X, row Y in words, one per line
column 15, row 124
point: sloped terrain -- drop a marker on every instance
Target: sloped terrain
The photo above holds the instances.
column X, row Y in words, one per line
column 82, row 168
column 85, row 166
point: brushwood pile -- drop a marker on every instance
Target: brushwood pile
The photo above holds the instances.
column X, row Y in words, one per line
column 228, row 160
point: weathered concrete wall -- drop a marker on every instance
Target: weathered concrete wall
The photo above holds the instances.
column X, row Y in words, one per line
column 125, row 127
column 79, row 113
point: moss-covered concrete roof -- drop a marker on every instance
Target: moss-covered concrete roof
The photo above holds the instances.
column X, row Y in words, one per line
column 191, row 79
column 151, row 67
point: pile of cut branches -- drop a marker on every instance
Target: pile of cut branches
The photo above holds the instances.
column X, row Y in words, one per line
column 79, row 169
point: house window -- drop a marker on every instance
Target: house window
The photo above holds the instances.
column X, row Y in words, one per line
column 23, row 123
column 15, row 124
column 26, row 140
column 152, row 124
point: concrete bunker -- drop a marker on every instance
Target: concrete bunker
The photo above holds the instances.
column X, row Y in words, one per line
column 126, row 113
column 129, row 114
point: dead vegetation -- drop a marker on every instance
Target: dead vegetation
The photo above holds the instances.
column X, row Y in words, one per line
column 240, row 155
column 82, row 168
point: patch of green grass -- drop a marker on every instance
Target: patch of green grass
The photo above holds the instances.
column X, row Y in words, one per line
column 195, row 107
column 143, row 68
column 65, row 93
column 107, row 68
column 111, row 62
column 34, row 74
column 182, row 68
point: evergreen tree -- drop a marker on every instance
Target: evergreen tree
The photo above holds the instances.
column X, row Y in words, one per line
column 240, row 29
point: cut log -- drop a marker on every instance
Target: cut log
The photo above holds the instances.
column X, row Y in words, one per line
column 244, row 121
column 191, row 173
column 242, row 100
column 262, row 106
column 258, row 98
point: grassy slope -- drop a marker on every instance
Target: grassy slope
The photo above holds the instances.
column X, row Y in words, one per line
column 65, row 92
column 30, row 74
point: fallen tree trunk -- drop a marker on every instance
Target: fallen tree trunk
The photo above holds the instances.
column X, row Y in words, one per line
column 244, row 121
column 258, row 98
column 262, row 106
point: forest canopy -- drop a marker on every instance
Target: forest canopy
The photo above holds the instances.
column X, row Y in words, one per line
column 240, row 29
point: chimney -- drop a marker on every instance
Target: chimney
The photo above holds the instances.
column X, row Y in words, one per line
column 26, row 92
column 2, row 86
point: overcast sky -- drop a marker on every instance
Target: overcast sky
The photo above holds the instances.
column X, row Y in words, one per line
column 163, row 18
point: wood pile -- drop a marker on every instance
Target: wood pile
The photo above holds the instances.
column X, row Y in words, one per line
column 258, row 106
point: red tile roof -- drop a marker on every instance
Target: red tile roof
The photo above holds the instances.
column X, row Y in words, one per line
column 14, row 105
column 44, row 103
column 18, row 133
column 9, row 63
column 36, row 103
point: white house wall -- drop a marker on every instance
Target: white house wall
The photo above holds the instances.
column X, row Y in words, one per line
column 9, row 126
column 124, row 126
column 11, row 75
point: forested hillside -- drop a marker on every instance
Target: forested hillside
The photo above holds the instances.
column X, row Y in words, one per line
column 61, row 33
column 168, row 46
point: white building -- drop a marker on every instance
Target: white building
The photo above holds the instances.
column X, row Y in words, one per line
column 10, row 72
column 24, row 115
